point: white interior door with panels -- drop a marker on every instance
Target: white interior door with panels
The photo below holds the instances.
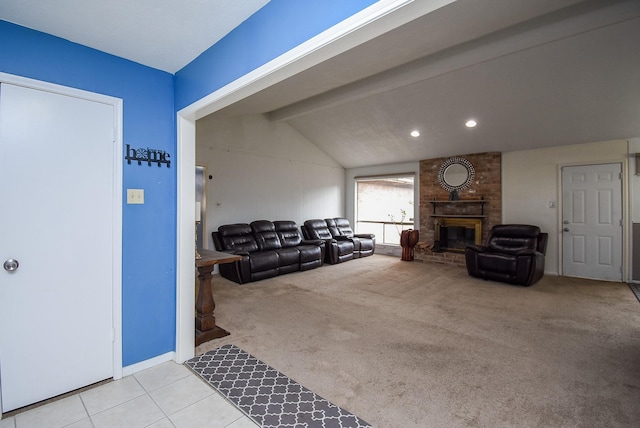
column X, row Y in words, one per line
column 592, row 221
column 57, row 284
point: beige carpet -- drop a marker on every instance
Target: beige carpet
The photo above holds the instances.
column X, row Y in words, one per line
column 408, row 344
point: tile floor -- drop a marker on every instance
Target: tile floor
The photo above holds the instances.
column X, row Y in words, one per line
column 165, row 396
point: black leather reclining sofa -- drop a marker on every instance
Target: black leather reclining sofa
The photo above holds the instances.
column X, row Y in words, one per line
column 341, row 243
column 267, row 248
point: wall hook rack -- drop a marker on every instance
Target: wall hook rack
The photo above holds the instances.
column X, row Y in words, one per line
column 147, row 155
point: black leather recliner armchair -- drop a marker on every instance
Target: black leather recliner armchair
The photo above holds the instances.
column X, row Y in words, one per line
column 514, row 253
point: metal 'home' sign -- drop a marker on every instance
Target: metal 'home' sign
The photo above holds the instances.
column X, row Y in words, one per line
column 147, row 155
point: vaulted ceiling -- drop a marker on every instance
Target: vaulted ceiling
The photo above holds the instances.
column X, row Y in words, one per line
column 531, row 73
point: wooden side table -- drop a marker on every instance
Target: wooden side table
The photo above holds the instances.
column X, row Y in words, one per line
column 206, row 328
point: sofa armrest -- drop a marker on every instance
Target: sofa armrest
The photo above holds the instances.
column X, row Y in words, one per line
column 471, row 259
column 317, row 242
column 477, row 248
column 365, row 235
column 237, row 252
column 528, row 253
column 530, row 267
column 341, row 238
column 239, row 271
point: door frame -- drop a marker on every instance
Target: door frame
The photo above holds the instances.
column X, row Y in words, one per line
column 118, row 160
column 372, row 21
column 626, row 217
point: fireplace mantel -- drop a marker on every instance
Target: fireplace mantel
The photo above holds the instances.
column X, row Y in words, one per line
column 480, row 201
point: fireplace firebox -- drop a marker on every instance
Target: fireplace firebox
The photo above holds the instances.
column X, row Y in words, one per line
column 454, row 233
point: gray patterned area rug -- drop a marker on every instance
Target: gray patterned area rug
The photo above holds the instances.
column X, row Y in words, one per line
column 265, row 395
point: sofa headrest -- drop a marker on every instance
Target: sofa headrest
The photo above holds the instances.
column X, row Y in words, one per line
column 331, row 224
column 317, row 229
column 266, row 236
column 234, row 229
column 285, row 225
column 521, row 230
column 316, row 223
column 260, row 226
column 288, row 233
column 237, row 237
column 512, row 238
column 343, row 226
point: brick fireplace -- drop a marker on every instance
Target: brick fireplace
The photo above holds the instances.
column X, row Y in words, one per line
column 468, row 219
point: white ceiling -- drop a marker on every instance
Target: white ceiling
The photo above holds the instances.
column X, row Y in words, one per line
column 163, row 34
column 532, row 73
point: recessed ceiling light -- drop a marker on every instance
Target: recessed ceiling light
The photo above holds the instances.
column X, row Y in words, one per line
column 471, row 123
column 415, row 133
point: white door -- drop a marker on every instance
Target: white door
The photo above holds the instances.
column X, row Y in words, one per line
column 592, row 221
column 56, row 311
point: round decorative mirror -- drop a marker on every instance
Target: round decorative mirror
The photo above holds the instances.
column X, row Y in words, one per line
column 456, row 174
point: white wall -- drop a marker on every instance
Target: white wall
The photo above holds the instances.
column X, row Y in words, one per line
column 264, row 171
column 397, row 168
column 531, row 180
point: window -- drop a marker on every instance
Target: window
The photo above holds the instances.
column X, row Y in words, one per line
column 384, row 206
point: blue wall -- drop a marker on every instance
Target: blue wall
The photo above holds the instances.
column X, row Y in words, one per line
column 149, row 230
column 149, row 247
column 275, row 29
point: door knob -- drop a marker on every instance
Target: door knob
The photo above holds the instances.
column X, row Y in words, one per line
column 11, row 265
column 566, row 222
column 566, row 229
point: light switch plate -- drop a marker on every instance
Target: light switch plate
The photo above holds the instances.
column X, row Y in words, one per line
column 135, row 196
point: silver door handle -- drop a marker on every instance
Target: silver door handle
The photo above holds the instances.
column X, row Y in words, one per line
column 566, row 229
column 11, row 265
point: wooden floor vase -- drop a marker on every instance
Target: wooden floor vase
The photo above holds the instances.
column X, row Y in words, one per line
column 408, row 240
